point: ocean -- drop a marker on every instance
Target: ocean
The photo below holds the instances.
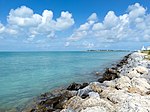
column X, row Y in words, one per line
column 25, row 75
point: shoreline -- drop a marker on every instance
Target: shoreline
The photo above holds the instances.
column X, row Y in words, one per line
column 18, row 106
column 120, row 84
column 72, row 89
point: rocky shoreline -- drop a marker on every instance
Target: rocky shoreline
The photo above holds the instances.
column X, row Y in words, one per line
column 123, row 88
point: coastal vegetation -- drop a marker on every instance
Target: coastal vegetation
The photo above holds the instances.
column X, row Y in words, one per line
column 147, row 52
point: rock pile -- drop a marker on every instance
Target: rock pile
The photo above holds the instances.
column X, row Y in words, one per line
column 124, row 88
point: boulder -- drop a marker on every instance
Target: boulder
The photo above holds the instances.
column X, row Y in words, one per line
column 84, row 91
column 76, row 86
column 111, row 83
column 114, row 95
column 134, row 103
column 95, row 109
column 133, row 73
column 134, row 90
column 140, row 83
column 109, row 74
column 73, row 103
column 141, row 70
column 84, row 105
column 96, row 87
column 123, row 83
column 93, row 95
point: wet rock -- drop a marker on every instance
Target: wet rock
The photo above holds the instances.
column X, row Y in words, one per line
column 110, row 74
column 76, row 86
column 107, row 77
column 53, row 101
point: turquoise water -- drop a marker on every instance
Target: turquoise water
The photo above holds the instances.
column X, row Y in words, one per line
column 24, row 75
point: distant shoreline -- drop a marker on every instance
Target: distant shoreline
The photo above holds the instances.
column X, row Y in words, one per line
column 108, row 51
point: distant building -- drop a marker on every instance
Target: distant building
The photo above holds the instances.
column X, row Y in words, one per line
column 143, row 48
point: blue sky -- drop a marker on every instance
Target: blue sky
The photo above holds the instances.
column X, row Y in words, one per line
column 28, row 25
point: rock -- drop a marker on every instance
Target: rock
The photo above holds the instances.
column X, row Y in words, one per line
column 134, row 90
column 133, row 73
column 95, row 109
column 82, row 105
column 73, row 103
column 107, row 77
column 93, row 95
column 111, row 83
column 123, row 83
column 76, row 86
column 140, row 83
column 84, row 91
column 111, row 71
column 134, row 103
column 148, row 93
column 92, row 102
column 114, row 95
column 124, row 88
column 67, row 110
column 53, row 101
column 109, row 74
column 141, row 70
column 96, row 87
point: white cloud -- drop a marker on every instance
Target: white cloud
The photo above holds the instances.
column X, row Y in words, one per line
column 131, row 26
column 2, row 28
column 110, row 20
column 136, row 10
column 24, row 22
column 23, row 16
column 93, row 17
column 84, row 29
column 67, row 44
column 64, row 21
column 88, row 45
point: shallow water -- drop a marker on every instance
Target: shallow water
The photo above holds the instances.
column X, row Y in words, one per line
column 24, row 75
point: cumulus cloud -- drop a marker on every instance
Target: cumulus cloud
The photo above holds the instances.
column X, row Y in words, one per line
column 23, row 21
column 131, row 26
column 84, row 29
column 2, row 28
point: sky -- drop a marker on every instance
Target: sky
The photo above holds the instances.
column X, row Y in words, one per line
column 74, row 25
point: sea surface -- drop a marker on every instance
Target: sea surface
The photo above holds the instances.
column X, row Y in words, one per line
column 25, row 75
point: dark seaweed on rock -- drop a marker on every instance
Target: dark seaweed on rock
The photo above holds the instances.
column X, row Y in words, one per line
column 112, row 73
column 50, row 102
column 76, row 86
